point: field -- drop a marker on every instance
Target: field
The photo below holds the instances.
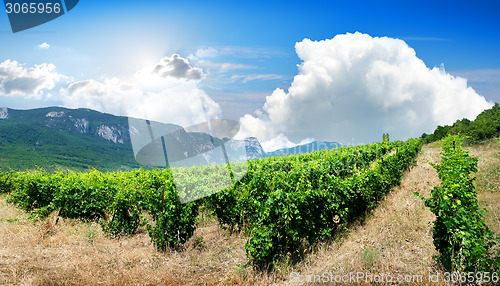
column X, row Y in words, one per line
column 395, row 237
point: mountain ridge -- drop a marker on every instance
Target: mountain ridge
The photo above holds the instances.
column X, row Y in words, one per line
column 59, row 138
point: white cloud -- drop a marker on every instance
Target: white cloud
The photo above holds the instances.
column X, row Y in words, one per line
column 30, row 82
column 206, row 58
column 279, row 142
column 230, row 66
column 181, row 104
column 223, row 67
column 178, row 67
column 251, row 52
column 485, row 81
column 44, row 46
column 207, row 53
column 353, row 88
column 238, row 52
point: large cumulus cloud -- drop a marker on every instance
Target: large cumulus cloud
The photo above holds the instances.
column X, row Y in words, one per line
column 354, row 87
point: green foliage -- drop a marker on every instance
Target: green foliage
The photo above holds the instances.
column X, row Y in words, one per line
column 385, row 137
column 460, row 232
column 485, row 126
column 6, row 181
column 289, row 204
column 199, row 242
column 29, row 139
column 125, row 212
column 29, row 146
column 83, row 196
column 369, row 256
column 175, row 222
column 91, row 235
column 33, row 190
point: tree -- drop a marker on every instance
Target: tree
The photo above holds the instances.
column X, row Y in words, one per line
column 385, row 137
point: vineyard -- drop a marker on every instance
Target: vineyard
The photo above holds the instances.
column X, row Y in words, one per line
column 285, row 205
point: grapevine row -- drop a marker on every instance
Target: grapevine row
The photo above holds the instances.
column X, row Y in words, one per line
column 288, row 205
column 460, row 232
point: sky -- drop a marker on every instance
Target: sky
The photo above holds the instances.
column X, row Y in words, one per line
column 288, row 71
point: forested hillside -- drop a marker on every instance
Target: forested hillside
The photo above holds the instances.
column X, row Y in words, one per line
column 485, row 126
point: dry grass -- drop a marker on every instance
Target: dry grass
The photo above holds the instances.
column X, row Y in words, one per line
column 488, row 181
column 74, row 253
column 395, row 238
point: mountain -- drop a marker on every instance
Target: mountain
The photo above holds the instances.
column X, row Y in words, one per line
column 57, row 138
column 305, row 148
column 254, row 149
column 80, row 121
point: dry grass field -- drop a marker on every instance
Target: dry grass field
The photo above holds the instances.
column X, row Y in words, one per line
column 395, row 238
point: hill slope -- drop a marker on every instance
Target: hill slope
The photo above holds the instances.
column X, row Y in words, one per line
column 485, row 126
column 59, row 138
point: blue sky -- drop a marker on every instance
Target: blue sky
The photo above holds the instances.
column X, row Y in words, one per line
column 255, row 39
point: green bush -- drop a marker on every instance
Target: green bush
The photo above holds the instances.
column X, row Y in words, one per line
column 82, row 196
column 175, row 223
column 125, row 213
column 485, row 126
